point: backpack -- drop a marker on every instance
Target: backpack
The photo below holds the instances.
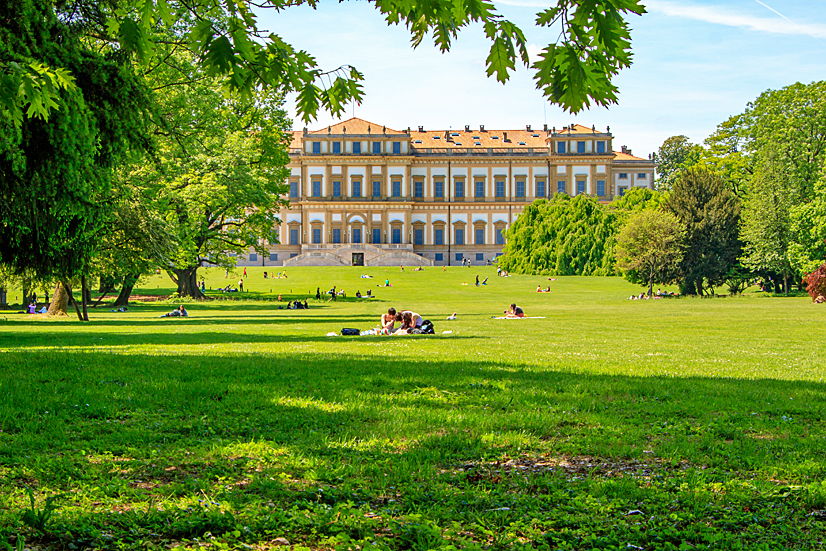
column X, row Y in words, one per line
column 346, row 331
column 427, row 327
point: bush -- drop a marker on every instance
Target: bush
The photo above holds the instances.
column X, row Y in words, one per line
column 816, row 282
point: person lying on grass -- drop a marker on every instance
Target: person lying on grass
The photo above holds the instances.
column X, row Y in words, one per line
column 179, row 313
column 514, row 312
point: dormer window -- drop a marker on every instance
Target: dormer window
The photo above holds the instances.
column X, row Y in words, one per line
column 417, row 141
column 458, row 143
column 476, row 138
column 534, row 135
column 477, row 143
column 456, row 134
column 521, row 143
column 437, row 137
column 494, row 137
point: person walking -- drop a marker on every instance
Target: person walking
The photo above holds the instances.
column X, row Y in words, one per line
column 477, row 280
column 245, row 272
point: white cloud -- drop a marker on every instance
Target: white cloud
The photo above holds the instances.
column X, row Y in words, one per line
column 723, row 16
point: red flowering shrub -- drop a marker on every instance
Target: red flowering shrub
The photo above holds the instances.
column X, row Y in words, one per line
column 816, row 282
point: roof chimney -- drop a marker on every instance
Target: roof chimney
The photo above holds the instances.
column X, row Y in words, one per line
column 481, row 128
column 626, row 150
column 467, row 128
column 545, row 129
column 528, row 127
column 421, row 129
column 505, row 136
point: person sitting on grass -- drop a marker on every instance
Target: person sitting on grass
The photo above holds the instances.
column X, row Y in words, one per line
column 179, row 313
column 388, row 320
column 409, row 319
column 820, row 299
column 514, row 312
column 358, row 293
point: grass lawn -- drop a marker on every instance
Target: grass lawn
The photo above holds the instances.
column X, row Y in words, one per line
column 607, row 424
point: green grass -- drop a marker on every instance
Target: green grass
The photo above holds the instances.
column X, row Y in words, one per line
column 665, row 424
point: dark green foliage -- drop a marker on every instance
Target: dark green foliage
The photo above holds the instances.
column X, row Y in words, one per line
column 563, row 236
column 55, row 176
column 710, row 213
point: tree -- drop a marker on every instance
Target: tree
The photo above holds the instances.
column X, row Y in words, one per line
column 808, row 226
column 710, row 212
column 217, row 179
column 635, row 200
column 675, row 155
column 56, row 176
column 650, row 248
column 789, row 124
column 594, row 45
column 563, row 236
column 767, row 228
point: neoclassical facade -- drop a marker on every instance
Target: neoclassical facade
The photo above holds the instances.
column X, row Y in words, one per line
column 361, row 193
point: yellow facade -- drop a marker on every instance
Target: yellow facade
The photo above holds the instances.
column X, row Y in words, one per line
column 363, row 193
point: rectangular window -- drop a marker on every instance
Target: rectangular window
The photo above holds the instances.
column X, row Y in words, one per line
column 316, row 147
column 560, row 186
column 377, row 189
column 480, row 188
column 336, row 235
column 520, row 188
column 376, row 236
column 460, row 236
column 317, row 188
column 540, row 188
column 317, row 236
column 500, row 236
column 580, row 147
column 397, row 189
column 622, row 191
column 438, row 188
column 336, row 147
column 397, row 147
column 253, row 257
column 273, row 257
column 623, row 175
column 293, row 189
column 418, row 188
column 418, row 237
column 356, row 147
column 460, row 188
column 600, row 147
column 439, row 236
column 480, row 236
column 336, row 189
column 440, row 257
column 294, row 237
column 397, row 236
column 356, row 188
column 356, row 235
column 560, row 147
column 480, row 257
column 459, row 257
column 601, row 188
column 500, row 188
column 642, row 176
column 376, row 148
column 580, row 186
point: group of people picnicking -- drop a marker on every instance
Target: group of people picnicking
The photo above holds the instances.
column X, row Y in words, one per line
column 410, row 323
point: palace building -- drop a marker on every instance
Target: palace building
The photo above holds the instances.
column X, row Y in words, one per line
column 364, row 194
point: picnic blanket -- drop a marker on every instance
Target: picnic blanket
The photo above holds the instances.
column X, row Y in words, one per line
column 523, row 318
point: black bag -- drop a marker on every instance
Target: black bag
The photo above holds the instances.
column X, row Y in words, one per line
column 427, row 327
column 349, row 331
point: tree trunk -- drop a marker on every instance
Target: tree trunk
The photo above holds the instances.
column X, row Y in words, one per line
column 129, row 283
column 188, row 282
column 60, row 301
column 84, row 296
column 651, row 282
column 72, row 300
column 699, row 284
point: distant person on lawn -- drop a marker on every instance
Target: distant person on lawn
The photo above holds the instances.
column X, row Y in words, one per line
column 179, row 313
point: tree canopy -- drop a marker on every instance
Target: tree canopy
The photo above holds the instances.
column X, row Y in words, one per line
column 575, row 72
column 650, row 248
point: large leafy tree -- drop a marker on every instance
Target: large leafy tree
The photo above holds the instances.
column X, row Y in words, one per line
column 56, row 176
column 788, row 124
column 675, row 155
column 650, row 247
column 562, row 236
column 710, row 212
column 217, row 178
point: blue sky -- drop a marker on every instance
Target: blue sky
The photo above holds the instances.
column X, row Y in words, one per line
column 695, row 64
